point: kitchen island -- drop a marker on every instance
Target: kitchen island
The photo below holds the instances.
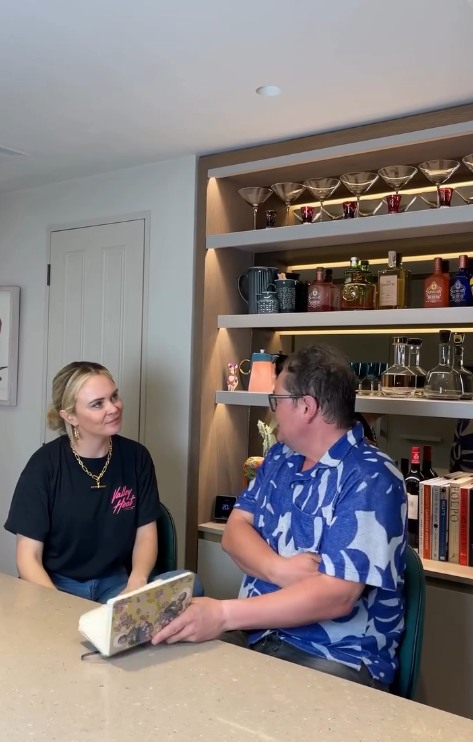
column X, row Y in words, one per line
column 211, row 691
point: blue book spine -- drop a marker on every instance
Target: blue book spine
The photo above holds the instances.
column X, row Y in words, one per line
column 443, row 529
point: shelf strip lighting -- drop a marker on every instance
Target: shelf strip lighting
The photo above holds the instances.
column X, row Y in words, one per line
column 381, row 261
column 409, row 331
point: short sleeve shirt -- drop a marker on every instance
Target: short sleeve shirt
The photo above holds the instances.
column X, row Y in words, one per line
column 350, row 508
column 86, row 532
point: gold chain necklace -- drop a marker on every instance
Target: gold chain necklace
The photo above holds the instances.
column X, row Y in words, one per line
column 95, row 477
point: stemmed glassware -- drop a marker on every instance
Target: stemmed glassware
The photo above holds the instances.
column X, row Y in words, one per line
column 322, row 188
column 396, row 176
column 438, row 172
column 359, row 183
column 288, row 192
column 255, row 195
column 468, row 199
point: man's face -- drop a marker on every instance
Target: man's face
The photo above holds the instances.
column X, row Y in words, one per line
column 287, row 414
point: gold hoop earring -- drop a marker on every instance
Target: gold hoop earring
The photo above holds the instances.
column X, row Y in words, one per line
column 75, row 432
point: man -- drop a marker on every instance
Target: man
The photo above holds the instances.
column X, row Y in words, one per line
column 320, row 535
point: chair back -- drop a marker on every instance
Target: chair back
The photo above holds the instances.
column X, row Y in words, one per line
column 410, row 649
column 167, row 542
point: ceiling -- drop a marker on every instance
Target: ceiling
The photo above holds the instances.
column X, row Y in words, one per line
column 101, row 85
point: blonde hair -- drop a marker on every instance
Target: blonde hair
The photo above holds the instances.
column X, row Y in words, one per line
column 66, row 386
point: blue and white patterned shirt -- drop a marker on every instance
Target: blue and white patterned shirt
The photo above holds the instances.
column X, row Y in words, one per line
column 350, row 508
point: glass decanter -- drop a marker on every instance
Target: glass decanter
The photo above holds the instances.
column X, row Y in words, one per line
column 413, row 363
column 398, row 380
column 466, row 376
column 443, row 382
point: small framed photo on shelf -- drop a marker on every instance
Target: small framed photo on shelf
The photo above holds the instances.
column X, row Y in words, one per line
column 9, row 335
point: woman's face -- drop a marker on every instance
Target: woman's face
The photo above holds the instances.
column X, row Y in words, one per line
column 98, row 409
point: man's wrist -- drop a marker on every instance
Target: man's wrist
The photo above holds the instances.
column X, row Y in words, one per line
column 229, row 619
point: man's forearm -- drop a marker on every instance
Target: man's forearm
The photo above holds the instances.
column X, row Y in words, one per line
column 315, row 599
column 250, row 551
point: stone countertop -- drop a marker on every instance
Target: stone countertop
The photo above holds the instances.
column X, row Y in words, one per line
column 213, row 691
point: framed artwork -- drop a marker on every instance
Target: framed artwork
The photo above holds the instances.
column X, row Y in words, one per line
column 9, row 330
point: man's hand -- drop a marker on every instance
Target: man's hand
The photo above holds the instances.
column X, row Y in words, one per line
column 295, row 568
column 201, row 621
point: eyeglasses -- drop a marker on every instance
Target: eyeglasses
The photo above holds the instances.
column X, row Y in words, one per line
column 273, row 399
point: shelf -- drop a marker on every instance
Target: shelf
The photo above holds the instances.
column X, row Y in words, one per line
column 424, row 223
column 337, row 151
column 380, row 405
column 448, row 316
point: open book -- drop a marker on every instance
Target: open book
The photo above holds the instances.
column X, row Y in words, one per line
column 132, row 619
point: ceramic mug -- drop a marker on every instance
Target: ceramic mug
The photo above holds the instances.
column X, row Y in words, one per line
column 286, row 293
column 267, row 302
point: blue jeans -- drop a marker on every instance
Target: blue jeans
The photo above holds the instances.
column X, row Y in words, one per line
column 109, row 586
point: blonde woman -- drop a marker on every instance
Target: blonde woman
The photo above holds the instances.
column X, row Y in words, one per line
column 85, row 507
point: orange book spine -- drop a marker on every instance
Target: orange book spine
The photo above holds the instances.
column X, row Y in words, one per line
column 464, row 525
column 427, row 524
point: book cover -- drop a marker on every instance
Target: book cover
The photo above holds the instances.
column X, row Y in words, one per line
column 454, row 519
column 439, row 487
column 443, row 524
column 464, row 544
column 425, row 518
column 132, row 619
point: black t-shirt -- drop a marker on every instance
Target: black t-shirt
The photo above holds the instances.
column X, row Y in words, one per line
column 86, row 532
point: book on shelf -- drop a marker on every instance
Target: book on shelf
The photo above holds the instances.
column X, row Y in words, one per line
column 454, row 518
column 466, row 493
column 133, row 618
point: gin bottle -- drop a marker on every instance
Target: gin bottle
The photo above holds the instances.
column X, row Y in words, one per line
column 460, row 288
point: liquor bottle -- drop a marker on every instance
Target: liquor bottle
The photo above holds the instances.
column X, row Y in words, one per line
column 457, row 363
column 460, row 289
column 442, row 381
column 427, row 471
column 413, row 480
column 354, row 287
column 393, row 284
column 319, row 298
column 436, row 287
column 413, row 364
column 334, row 290
column 371, row 289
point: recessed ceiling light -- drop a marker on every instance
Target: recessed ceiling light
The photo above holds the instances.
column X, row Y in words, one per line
column 268, row 90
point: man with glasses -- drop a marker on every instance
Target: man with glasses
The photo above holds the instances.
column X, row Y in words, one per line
column 320, row 534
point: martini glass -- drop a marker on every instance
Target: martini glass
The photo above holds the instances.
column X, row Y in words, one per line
column 288, row 192
column 397, row 176
column 322, row 188
column 438, row 172
column 359, row 183
column 255, row 196
column 468, row 198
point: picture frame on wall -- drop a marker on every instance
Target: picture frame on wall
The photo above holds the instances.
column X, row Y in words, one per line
column 9, row 336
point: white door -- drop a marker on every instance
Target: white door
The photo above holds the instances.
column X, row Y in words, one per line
column 96, row 307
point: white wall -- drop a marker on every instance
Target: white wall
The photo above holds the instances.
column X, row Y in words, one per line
column 167, row 191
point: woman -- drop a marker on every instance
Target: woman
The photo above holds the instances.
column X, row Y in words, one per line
column 85, row 507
